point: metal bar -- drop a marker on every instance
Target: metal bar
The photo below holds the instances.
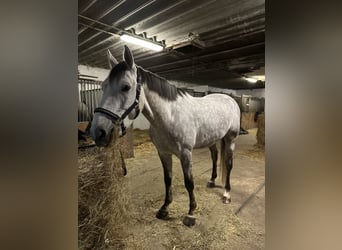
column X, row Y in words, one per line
column 94, row 46
column 230, row 21
column 209, row 64
column 85, row 8
column 114, row 46
column 134, row 11
column 82, row 75
column 97, row 29
column 86, row 96
column 199, row 59
column 211, row 16
column 80, row 91
column 156, row 14
column 120, row 31
column 189, row 58
column 92, row 37
column 239, row 28
column 91, row 92
column 113, row 7
column 238, row 35
column 233, row 50
column 180, row 15
column 101, row 23
column 82, row 98
column 201, row 28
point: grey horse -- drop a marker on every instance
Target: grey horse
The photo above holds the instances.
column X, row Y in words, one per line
column 179, row 123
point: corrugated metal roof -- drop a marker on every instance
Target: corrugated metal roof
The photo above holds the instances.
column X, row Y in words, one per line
column 212, row 42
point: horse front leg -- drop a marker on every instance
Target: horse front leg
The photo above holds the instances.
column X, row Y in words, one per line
column 166, row 160
column 186, row 161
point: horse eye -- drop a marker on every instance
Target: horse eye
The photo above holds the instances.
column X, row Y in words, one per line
column 125, row 88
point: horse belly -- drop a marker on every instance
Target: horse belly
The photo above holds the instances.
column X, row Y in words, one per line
column 210, row 134
column 216, row 115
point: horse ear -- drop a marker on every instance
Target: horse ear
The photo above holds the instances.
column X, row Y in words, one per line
column 128, row 57
column 111, row 59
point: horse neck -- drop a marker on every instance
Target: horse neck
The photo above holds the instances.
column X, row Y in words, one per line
column 156, row 108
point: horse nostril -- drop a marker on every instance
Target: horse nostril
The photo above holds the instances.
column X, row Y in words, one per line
column 100, row 133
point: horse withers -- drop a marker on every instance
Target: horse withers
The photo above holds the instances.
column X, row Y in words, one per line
column 179, row 123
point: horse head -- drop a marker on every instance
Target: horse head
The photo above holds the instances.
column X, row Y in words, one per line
column 119, row 104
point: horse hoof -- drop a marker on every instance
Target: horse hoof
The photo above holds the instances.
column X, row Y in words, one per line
column 189, row 220
column 162, row 214
column 226, row 200
column 211, row 184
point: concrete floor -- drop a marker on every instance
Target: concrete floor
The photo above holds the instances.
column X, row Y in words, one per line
column 248, row 196
column 247, row 179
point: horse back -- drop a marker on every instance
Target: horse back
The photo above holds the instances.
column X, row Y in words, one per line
column 198, row 122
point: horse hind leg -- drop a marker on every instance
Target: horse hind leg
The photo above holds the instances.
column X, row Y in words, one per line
column 214, row 155
column 227, row 148
column 166, row 160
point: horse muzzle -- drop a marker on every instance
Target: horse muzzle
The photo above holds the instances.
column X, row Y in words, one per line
column 101, row 137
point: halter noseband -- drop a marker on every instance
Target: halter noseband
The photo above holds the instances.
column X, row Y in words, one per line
column 119, row 120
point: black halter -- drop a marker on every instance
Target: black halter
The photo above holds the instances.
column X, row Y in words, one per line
column 119, row 120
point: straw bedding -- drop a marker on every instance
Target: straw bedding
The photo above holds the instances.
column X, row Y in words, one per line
column 102, row 204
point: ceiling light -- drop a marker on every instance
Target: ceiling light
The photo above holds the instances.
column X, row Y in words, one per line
column 251, row 80
column 141, row 42
column 258, row 77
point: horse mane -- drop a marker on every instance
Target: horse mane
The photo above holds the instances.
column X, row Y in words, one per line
column 154, row 82
column 159, row 85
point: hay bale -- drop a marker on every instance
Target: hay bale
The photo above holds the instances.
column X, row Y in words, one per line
column 102, row 207
column 261, row 130
column 247, row 120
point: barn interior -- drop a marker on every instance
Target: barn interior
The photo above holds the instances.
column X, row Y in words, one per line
column 214, row 46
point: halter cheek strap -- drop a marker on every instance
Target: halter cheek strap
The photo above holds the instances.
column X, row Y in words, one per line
column 119, row 120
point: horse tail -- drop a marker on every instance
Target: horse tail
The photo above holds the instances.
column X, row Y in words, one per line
column 223, row 163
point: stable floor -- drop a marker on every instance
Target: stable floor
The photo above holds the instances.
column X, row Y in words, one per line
column 238, row 225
